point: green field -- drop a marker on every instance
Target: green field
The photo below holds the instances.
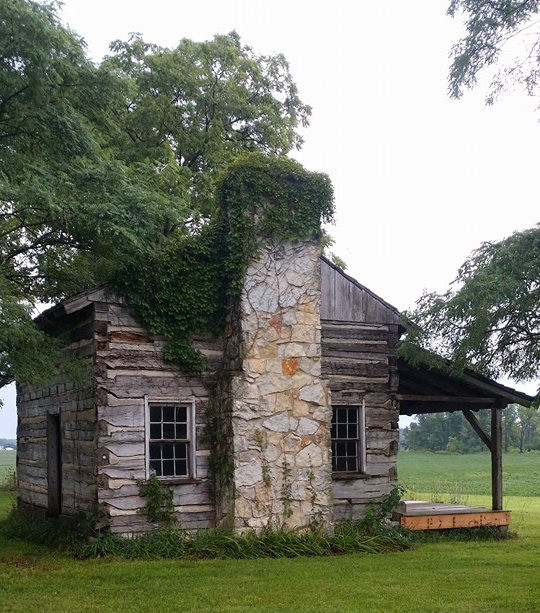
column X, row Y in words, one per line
column 435, row 577
column 7, row 463
column 468, row 474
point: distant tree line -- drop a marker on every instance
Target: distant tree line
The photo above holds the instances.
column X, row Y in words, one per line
column 8, row 442
column 452, row 433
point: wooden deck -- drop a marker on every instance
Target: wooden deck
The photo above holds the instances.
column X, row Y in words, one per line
column 424, row 515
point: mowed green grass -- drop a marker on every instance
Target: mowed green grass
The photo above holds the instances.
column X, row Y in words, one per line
column 435, row 577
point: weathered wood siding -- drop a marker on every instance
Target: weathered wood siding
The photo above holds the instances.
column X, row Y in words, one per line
column 75, row 404
column 360, row 332
column 344, row 299
column 359, row 360
column 103, row 422
column 129, row 365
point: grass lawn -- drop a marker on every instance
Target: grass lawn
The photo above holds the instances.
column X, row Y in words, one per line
column 437, row 577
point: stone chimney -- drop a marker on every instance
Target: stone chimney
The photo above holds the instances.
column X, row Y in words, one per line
column 278, row 412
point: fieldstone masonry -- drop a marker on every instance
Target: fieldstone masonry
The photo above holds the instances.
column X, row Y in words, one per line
column 280, row 405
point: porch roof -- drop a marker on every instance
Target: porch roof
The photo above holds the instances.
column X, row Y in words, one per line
column 424, row 389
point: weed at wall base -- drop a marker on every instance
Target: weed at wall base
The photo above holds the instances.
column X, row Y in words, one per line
column 216, row 544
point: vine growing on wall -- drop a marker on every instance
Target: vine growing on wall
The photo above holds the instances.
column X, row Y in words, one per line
column 184, row 285
column 159, row 506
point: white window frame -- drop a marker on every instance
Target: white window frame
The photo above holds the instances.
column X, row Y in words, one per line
column 361, row 445
column 192, row 430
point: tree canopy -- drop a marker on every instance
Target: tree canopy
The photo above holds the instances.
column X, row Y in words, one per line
column 99, row 162
column 191, row 109
column 489, row 319
column 492, row 27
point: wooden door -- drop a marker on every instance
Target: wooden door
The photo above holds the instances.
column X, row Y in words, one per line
column 54, row 465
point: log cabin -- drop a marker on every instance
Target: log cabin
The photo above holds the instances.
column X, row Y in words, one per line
column 304, row 385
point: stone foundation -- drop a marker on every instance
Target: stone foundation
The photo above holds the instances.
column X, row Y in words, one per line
column 279, row 404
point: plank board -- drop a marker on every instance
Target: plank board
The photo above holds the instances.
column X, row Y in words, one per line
column 455, row 520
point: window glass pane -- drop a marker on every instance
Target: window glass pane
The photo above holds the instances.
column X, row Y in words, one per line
column 181, row 431
column 167, row 450
column 168, row 468
column 341, row 464
column 351, row 449
column 168, row 431
column 155, row 413
column 342, row 431
column 352, row 431
column 155, row 451
column 181, row 468
column 180, row 451
column 352, row 415
column 351, row 464
column 155, row 431
column 181, row 414
column 333, row 433
column 168, row 413
column 155, row 466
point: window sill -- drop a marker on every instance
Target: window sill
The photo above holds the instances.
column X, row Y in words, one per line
column 348, row 476
column 178, row 480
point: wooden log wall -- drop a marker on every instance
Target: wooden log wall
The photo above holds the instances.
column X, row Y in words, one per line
column 129, row 365
column 75, row 404
column 359, row 360
column 103, row 423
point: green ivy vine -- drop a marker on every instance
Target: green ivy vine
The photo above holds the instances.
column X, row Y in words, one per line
column 184, row 285
column 159, row 507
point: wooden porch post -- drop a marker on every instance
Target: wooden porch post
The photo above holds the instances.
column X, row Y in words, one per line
column 496, row 459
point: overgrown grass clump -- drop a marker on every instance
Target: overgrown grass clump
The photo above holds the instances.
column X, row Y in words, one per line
column 172, row 542
column 33, row 527
column 371, row 534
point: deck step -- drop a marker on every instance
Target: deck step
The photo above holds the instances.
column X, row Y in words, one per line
column 423, row 507
column 424, row 515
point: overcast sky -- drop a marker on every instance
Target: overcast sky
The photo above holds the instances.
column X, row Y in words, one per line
column 420, row 180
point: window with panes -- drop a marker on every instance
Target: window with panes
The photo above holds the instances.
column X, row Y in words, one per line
column 168, row 446
column 345, row 439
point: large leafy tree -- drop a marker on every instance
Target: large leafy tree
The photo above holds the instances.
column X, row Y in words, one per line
column 62, row 192
column 99, row 161
column 489, row 319
column 493, row 27
column 49, row 146
column 191, row 109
